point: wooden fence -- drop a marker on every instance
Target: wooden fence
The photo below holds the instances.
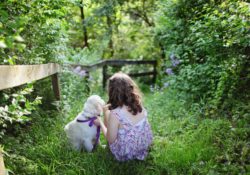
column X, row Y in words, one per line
column 16, row 75
column 113, row 63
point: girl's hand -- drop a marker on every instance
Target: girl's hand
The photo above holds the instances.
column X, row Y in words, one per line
column 105, row 108
column 97, row 121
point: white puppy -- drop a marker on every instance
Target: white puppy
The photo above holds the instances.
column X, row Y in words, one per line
column 81, row 132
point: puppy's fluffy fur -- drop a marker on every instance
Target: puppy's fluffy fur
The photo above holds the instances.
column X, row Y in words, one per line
column 80, row 135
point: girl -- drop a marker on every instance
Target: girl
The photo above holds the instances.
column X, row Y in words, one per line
column 125, row 120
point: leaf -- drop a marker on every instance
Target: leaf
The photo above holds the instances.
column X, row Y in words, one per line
column 11, row 62
column 19, row 38
column 2, row 44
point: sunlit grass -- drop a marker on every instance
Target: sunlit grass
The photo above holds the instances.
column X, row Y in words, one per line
column 182, row 144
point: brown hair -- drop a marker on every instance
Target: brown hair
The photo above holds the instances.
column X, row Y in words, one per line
column 122, row 90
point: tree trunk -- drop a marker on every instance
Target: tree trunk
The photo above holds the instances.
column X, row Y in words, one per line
column 110, row 31
column 85, row 33
column 163, row 55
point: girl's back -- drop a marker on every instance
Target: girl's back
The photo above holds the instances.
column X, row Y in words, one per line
column 134, row 135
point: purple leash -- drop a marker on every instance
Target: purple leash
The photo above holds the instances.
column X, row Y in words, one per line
column 91, row 123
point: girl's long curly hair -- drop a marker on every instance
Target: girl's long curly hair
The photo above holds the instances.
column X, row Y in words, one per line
column 122, row 90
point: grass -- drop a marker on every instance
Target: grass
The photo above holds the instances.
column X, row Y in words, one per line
column 184, row 143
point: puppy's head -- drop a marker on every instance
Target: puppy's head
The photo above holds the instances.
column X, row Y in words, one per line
column 93, row 106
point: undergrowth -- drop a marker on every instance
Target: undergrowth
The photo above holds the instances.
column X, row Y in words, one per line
column 184, row 143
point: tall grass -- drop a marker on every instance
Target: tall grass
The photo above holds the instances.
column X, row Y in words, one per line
column 184, row 143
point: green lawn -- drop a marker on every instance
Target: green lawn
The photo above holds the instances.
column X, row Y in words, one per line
column 184, row 143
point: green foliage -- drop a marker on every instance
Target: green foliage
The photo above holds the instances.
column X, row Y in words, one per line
column 20, row 106
column 211, row 40
column 108, row 24
column 187, row 143
column 31, row 32
column 74, row 89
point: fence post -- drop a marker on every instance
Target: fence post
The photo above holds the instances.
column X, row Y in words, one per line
column 155, row 73
column 104, row 76
column 2, row 167
column 86, row 79
column 55, row 84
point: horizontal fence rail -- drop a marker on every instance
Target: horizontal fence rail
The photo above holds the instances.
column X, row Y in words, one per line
column 16, row 75
column 112, row 63
column 105, row 63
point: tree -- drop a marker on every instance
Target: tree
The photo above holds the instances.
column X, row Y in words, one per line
column 85, row 33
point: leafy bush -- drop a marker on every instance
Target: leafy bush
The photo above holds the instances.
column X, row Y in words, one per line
column 31, row 31
column 20, row 106
column 74, row 89
column 211, row 40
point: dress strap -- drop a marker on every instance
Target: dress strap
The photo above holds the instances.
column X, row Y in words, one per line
column 117, row 113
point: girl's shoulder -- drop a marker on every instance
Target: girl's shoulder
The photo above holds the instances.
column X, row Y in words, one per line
column 123, row 111
column 118, row 109
column 116, row 112
column 119, row 112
